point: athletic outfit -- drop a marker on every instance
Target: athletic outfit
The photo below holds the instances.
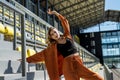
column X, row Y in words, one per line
column 73, row 67
column 67, row 49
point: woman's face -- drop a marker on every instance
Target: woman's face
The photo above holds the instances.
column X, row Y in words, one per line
column 54, row 34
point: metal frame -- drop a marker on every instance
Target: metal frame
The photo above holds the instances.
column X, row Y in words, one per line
column 80, row 13
column 5, row 3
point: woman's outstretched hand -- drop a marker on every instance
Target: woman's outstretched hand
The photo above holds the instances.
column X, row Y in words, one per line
column 49, row 11
column 19, row 60
column 52, row 12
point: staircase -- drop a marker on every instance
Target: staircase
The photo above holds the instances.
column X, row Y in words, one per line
column 10, row 68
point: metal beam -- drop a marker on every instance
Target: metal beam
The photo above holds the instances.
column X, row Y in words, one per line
column 64, row 6
column 23, row 9
column 84, row 20
column 89, row 20
column 59, row 2
column 11, row 6
column 79, row 17
column 71, row 17
column 92, row 23
column 71, row 5
column 81, row 8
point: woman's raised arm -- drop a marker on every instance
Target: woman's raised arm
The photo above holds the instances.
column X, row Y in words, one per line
column 64, row 23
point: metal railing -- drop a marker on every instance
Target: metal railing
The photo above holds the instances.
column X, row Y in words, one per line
column 108, row 73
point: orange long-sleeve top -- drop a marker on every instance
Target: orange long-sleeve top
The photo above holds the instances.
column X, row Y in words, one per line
column 53, row 59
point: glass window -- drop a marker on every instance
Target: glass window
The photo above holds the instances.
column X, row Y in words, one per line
column 92, row 43
column 111, row 51
column 86, row 35
column 109, row 46
column 92, row 35
column 93, row 51
column 110, row 39
column 104, row 52
column 113, row 39
column 103, row 34
column 115, row 45
column 114, row 33
column 118, row 38
column 118, row 33
column 104, row 46
column 108, row 34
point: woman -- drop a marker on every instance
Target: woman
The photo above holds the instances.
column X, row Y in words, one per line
column 61, row 56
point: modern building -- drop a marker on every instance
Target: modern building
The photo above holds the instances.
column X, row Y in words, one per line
column 104, row 45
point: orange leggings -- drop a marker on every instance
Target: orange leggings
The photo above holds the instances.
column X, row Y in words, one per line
column 73, row 69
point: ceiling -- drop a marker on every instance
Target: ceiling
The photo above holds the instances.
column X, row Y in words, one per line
column 80, row 13
column 112, row 15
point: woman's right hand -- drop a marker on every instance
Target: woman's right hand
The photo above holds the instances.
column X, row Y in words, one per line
column 19, row 60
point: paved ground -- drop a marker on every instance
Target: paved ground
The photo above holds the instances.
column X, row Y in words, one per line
column 116, row 74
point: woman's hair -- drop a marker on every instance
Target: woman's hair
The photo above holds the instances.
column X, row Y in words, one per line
column 50, row 40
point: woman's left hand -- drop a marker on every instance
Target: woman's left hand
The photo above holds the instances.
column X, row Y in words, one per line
column 51, row 12
column 19, row 60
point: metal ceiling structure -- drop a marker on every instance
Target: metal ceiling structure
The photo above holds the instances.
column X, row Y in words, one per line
column 80, row 13
column 112, row 15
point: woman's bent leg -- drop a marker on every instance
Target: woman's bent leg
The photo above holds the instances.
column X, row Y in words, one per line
column 84, row 72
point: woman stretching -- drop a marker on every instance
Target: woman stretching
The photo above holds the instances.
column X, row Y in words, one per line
column 61, row 56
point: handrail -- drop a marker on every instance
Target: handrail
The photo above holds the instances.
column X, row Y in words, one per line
column 22, row 8
column 108, row 73
column 88, row 53
column 5, row 3
column 11, row 6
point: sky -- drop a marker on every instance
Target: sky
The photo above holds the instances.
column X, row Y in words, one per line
column 112, row 4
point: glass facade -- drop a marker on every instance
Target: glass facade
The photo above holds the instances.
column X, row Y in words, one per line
column 110, row 41
column 105, row 26
column 111, row 48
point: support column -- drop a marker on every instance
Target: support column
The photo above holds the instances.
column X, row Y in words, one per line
column 47, row 17
column 15, row 37
column 53, row 17
column 25, row 3
column 24, row 74
column 38, row 7
column 99, row 26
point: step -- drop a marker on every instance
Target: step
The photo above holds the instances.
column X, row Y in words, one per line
column 1, row 37
column 6, row 45
column 11, row 77
column 36, row 75
column 6, row 55
column 10, row 67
